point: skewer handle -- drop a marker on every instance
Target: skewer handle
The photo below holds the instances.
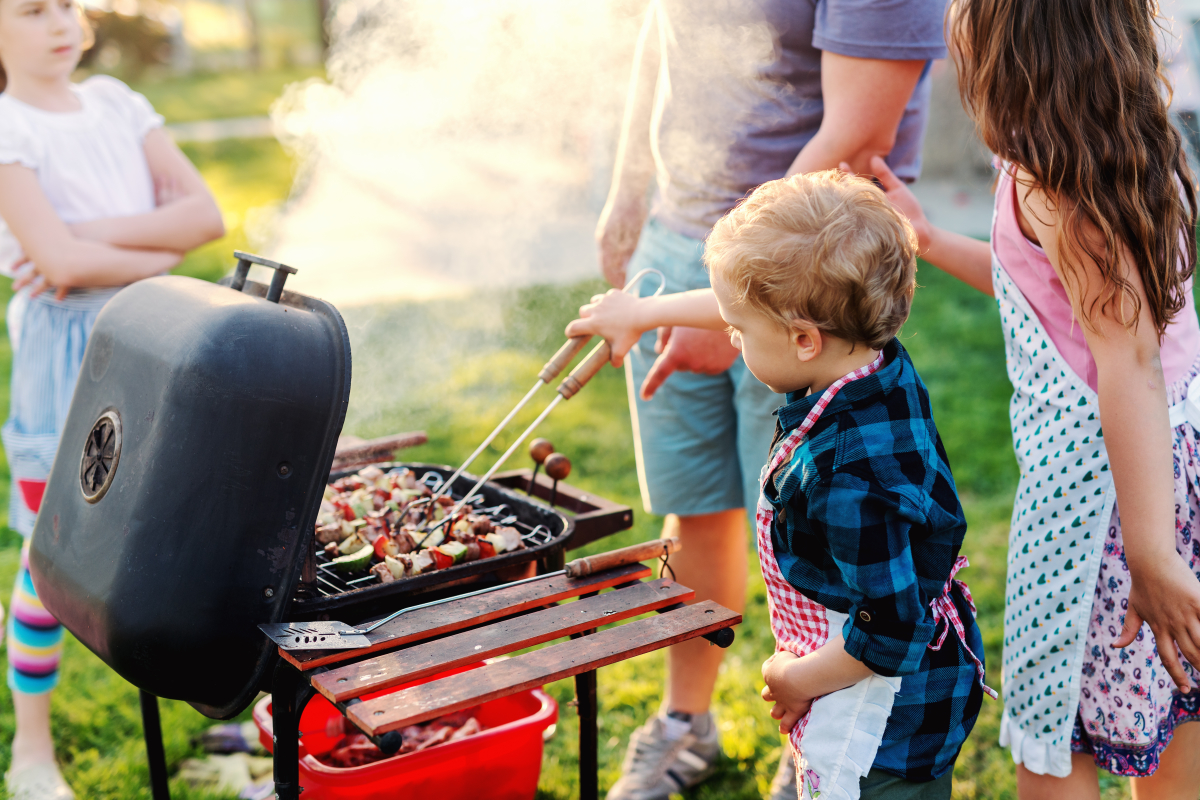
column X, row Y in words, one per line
column 565, row 355
column 540, row 450
column 585, row 371
column 582, row 567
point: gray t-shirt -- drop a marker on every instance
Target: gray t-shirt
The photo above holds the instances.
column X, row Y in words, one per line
column 739, row 91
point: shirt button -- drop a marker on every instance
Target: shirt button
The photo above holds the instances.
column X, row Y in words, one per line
column 864, row 616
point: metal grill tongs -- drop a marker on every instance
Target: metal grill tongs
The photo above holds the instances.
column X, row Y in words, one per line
column 569, row 387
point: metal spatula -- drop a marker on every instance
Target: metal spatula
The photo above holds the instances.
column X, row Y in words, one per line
column 315, row 635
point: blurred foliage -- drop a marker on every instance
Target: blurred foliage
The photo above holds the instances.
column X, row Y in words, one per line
column 127, row 45
column 220, row 95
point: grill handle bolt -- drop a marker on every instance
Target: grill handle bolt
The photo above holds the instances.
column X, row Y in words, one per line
column 268, row 592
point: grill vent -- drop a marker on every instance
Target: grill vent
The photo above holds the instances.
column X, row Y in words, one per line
column 101, row 453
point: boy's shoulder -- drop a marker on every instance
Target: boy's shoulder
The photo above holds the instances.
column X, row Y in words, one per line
column 879, row 430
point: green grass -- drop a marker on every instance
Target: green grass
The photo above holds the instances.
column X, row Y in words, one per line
column 221, row 95
column 452, row 368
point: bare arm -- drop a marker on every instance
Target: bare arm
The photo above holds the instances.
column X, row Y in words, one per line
column 794, row 682
column 1137, row 434
column 186, row 221
column 864, row 101
column 625, row 211
column 621, row 318
column 63, row 259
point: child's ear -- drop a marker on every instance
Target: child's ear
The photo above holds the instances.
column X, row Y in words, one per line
column 807, row 340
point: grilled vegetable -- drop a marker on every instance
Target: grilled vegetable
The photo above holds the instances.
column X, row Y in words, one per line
column 441, row 559
column 456, row 550
column 352, row 544
column 399, row 567
column 356, row 561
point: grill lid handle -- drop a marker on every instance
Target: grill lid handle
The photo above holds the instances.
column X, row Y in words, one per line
column 243, row 271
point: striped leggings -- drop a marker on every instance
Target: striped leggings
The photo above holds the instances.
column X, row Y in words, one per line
column 35, row 639
column 48, row 340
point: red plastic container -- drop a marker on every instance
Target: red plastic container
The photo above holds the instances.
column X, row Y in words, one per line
column 502, row 762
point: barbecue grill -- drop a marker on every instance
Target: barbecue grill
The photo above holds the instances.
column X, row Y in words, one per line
column 179, row 513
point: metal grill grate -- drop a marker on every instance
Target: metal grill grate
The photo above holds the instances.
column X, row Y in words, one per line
column 330, row 582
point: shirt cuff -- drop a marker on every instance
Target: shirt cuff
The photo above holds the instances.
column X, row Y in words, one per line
column 887, row 51
column 890, row 648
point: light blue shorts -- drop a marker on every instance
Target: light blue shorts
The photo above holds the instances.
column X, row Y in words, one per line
column 703, row 439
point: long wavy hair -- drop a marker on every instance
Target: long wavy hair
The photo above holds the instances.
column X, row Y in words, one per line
column 1072, row 92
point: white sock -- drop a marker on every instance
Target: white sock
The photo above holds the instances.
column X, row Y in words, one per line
column 675, row 729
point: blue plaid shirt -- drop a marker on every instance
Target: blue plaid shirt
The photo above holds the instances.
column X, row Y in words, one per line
column 868, row 523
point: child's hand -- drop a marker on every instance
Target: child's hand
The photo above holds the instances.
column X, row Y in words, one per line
column 25, row 273
column 613, row 317
column 1170, row 602
column 902, row 198
column 782, row 673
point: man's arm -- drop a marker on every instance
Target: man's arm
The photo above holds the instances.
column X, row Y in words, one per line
column 185, row 219
column 625, row 211
column 864, row 102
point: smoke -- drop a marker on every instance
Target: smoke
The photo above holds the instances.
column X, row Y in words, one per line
column 456, row 145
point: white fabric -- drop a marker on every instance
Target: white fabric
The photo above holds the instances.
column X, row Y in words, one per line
column 1188, row 410
column 1063, row 504
column 842, row 733
column 90, row 163
column 836, row 742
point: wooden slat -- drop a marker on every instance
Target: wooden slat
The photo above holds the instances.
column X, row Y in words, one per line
column 430, row 658
column 427, row 623
column 467, row 689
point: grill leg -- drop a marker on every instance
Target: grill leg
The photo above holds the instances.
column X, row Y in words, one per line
column 585, row 693
column 290, row 692
column 152, row 732
column 589, row 744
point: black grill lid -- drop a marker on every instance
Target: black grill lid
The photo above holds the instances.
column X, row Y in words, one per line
column 188, row 480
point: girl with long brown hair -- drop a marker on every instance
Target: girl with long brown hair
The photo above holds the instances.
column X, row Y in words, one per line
column 1091, row 262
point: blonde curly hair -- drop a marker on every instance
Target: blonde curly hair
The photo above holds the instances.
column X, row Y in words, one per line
column 827, row 248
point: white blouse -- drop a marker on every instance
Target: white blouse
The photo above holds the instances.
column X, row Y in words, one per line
column 90, row 163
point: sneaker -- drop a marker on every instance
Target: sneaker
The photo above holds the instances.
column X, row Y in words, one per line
column 783, row 787
column 39, row 782
column 657, row 767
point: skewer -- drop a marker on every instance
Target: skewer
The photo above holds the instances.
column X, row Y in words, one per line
column 549, row 372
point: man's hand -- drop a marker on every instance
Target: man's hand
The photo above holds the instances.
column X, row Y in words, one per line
column 617, row 234
column 1169, row 601
column 784, row 688
column 688, row 350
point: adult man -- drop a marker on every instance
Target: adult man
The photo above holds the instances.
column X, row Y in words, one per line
column 724, row 95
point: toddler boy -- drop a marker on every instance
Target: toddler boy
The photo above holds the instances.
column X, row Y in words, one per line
column 877, row 677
